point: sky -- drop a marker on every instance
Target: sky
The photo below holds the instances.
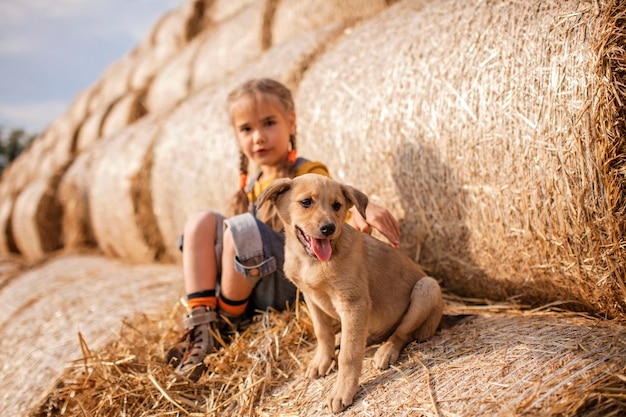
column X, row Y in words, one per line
column 50, row 50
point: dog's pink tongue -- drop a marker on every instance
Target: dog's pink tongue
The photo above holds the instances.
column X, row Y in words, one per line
column 322, row 249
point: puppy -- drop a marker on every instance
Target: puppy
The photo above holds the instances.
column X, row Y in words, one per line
column 375, row 291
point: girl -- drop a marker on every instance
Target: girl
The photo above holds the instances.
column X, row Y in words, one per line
column 233, row 267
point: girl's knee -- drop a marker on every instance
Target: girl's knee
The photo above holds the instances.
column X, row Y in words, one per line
column 200, row 223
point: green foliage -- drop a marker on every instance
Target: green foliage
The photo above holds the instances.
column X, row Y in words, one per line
column 12, row 144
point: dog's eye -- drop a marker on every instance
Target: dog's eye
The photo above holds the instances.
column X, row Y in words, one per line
column 306, row 203
column 337, row 206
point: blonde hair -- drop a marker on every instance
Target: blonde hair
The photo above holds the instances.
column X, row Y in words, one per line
column 251, row 88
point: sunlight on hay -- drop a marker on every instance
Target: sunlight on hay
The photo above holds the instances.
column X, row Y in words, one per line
column 501, row 362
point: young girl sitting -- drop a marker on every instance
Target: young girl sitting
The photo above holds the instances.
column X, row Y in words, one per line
column 233, row 267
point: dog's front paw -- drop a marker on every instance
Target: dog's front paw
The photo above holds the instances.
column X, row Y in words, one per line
column 319, row 365
column 386, row 354
column 341, row 396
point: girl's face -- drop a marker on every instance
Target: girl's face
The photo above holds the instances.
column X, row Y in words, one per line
column 263, row 129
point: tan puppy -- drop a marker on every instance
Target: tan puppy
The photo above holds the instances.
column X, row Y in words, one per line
column 377, row 292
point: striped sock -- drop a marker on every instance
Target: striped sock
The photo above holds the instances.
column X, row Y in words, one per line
column 232, row 307
column 204, row 298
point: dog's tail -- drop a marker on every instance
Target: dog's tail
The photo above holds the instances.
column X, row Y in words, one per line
column 448, row 321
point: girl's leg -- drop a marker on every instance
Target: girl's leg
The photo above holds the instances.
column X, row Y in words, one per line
column 200, row 270
column 199, row 259
column 235, row 290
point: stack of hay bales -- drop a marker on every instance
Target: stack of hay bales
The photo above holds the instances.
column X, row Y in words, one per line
column 495, row 131
column 35, row 180
column 294, row 18
column 31, row 213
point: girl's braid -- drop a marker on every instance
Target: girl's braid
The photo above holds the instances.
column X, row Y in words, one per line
column 240, row 203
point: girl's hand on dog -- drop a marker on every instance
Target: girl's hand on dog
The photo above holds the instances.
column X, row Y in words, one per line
column 380, row 219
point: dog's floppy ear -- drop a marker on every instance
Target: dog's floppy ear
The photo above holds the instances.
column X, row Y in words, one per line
column 274, row 193
column 356, row 197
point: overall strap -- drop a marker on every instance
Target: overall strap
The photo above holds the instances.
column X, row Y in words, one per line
column 252, row 180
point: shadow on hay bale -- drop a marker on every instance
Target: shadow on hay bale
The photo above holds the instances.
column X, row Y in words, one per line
column 518, row 104
column 433, row 207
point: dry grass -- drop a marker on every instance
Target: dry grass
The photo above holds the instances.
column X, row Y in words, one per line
column 503, row 361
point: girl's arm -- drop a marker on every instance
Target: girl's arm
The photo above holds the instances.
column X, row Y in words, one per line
column 380, row 219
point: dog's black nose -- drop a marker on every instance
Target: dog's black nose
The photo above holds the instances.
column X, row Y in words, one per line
column 327, row 229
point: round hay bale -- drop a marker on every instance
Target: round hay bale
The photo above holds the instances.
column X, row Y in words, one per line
column 149, row 63
column 47, row 311
column 79, row 108
column 501, row 362
column 91, row 129
column 220, row 10
column 124, row 112
column 58, row 142
column 73, row 194
column 195, row 163
column 293, row 57
column 21, row 171
column 484, row 131
column 114, row 83
column 36, row 219
column 228, row 45
column 171, row 85
column 7, row 242
column 120, row 203
column 198, row 17
column 167, row 38
column 196, row 155
column 293, row 18
column 39, row 159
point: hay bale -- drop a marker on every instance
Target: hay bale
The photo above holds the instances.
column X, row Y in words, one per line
column 21, row 171
column 191, row 169
column 91, row 129
column 503, row 362
column 228, row 45
column 119, row 194
column 171, row 85
column 220, row 10
column 48, row 153
column 114, row 83
column 34, row 176
column 45, row 309
column 58, row 143
column 79, row 108
column 293, row 18
column 198, row 17
column 7, row 242
column 165, row 40
column 124, row 112
column 73, row 195
column 196, row 156
column 484, row 131
column 36, row 219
